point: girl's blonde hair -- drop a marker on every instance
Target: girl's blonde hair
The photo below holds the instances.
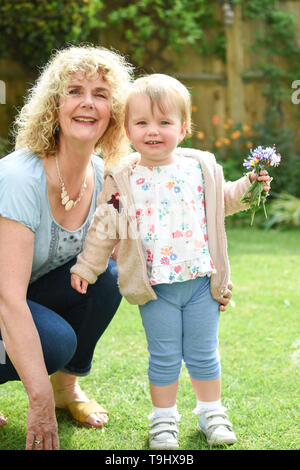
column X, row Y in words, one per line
column 36, row 124
column 163, row 90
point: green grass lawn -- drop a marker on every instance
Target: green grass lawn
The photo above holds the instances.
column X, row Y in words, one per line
column 260, row 354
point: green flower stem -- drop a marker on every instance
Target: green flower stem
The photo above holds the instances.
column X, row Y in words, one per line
column 255, row 196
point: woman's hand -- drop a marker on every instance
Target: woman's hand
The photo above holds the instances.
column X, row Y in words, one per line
column 226, row 297
column 42, row 431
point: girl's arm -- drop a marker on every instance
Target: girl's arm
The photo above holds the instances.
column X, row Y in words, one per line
column 21, row 339
column 101, row 239
column 234, row 190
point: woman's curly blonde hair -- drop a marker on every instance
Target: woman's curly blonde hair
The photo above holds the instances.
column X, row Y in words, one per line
column 36, row 124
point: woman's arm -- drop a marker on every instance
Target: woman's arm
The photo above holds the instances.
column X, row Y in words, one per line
column 19, row 333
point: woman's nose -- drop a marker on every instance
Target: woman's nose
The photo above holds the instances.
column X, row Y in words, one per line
column 87, row 100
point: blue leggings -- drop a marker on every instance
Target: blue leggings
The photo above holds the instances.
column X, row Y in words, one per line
column 182, row 324
column 69, row 324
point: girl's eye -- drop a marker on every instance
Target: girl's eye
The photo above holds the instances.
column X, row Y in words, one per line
column 142, row 123
column 74, row 91
column 164, row 123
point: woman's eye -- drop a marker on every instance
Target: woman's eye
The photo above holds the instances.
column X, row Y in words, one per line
column 73, row 92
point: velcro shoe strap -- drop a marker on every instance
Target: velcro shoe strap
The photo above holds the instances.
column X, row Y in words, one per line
column 216, row 412
column 218, row 421
column 161, row 428
column 162, row 420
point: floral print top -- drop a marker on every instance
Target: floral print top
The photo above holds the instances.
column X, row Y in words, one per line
column 170, row 211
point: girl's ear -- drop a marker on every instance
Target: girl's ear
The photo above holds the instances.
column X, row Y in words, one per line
column 126, row 130
column 183, row 131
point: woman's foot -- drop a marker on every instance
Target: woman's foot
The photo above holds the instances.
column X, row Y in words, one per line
column 67, row 390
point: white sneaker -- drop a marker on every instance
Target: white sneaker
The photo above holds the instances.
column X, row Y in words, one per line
column 216, row 427
column 163, row 433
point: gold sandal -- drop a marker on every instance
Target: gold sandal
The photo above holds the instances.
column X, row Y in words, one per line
column 80, row 410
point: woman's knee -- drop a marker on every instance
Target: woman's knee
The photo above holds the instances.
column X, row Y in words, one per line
column 58, row 339
column 58, row 345
column 60, row 355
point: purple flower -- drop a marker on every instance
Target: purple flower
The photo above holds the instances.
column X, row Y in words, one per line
column 259, row 159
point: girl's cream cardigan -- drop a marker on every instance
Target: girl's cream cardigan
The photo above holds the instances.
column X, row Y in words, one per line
column 114, row 221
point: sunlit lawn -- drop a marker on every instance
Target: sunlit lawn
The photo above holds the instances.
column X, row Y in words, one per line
column 260, row 353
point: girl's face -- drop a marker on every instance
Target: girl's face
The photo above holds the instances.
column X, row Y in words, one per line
column 154, row 133
column 84, row 113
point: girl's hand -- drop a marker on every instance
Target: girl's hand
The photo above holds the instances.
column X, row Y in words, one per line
column 115, row 253
column 226, row 297
column 79, row 284
column 263, row 176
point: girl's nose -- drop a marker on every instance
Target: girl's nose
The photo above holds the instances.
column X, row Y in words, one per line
column 153, row 131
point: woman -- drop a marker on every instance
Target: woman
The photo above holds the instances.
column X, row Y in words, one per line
column 48, row 192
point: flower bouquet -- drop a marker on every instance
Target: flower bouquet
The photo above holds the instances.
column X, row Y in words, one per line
column 260, row 159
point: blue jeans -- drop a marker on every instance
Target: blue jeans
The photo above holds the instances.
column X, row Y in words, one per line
column 69, row 324
column 182, row 324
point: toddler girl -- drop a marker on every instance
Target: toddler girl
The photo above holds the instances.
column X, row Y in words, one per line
column 166, row 207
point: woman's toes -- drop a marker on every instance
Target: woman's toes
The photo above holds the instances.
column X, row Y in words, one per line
column 97, row 419
column 3, row 421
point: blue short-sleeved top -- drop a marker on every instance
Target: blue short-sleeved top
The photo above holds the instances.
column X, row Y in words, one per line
column 24, row 198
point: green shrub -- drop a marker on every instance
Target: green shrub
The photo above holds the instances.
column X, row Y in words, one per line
column 285, row 212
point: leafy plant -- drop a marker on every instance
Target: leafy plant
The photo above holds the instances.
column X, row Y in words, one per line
column 32, row 30
column 154, row 28
column 149, row 29
column 285, row 210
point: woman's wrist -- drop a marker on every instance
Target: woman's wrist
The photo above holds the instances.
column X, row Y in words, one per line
column 40, row 392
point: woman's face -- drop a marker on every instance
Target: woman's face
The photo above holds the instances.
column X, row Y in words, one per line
column 84, row 113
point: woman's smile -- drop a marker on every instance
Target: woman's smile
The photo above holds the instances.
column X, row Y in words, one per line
column 85, row 119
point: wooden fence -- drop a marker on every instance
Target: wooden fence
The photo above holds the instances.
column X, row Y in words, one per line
column 221, row 91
